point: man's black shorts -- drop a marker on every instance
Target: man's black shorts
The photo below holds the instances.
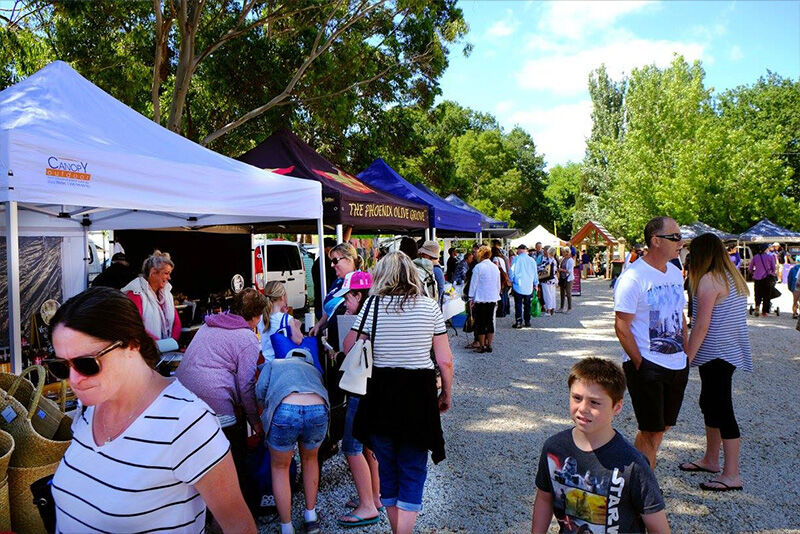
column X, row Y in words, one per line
column 656, row 394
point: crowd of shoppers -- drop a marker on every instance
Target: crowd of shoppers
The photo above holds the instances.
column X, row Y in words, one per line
column 390, row 432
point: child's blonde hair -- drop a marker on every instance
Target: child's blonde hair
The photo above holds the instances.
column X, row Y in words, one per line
column 274, row 291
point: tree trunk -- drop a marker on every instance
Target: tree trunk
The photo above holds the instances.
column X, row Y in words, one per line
column 160, row 67
column 185, row 70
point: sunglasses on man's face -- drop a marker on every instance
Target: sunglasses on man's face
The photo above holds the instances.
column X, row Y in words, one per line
column 83, row 365
column 670, row 237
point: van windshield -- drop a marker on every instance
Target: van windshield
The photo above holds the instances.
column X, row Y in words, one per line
column 283, row 258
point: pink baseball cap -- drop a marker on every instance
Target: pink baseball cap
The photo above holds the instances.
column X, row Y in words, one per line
column 353, row 281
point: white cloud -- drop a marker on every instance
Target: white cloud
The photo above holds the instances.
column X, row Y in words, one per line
column 736, row 53
column 576, row 19
column 501, row 28
column 504, row 106
column 489, row 54
column 559, row 132
column 565, row 73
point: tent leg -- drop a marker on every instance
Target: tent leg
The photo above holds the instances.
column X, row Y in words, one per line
column 321, row 253
column 427, row 234
column 87, row 257
column 433, row 234
column 252, row 258
column 480, row 238
column 339, row 234
column 14, row 304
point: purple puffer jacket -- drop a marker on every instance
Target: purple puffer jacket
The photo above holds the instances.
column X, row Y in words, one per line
column 219, row 365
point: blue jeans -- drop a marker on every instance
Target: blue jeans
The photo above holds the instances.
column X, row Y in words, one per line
column 350, row 445
column 403, row 470
column 522, row 308
column 292, row 423
column 504, row 308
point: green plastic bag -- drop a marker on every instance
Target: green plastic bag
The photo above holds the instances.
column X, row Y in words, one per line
column 536, row 306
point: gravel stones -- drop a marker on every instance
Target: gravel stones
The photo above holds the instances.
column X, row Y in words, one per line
column 505, row 404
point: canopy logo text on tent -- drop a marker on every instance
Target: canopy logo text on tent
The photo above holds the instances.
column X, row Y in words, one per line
column 370, row 210
column 67, row 168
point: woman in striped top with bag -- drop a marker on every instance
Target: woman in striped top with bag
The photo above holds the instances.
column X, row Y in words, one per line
column 147, row 454
column 718, row 345
column 399, row 417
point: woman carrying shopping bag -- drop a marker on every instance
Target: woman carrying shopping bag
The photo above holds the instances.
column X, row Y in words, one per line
column 399, row 417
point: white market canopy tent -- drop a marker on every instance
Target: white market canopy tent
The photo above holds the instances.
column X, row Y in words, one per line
column 538, row 235
column 73, row 158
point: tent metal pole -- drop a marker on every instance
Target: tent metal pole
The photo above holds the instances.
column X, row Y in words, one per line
column 321, row 254
column 252, row 258
column 427, row 234
column 480, row 237
column 12, row 268
column 87, row 257
column 339, row 233
column 433, row 234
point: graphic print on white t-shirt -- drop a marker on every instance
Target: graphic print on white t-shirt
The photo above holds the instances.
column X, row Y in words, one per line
column 656, row 300
column 666, row 319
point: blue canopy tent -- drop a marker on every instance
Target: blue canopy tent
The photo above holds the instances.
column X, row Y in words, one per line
column 491, row 227
column 486, row 221
column 447, row 219
column 766, row 231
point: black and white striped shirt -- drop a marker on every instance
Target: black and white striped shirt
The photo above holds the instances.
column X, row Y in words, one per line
column 727, row 337
column 142, row 481
column 404, row 337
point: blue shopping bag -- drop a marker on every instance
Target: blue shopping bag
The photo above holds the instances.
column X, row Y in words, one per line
column 283, row 345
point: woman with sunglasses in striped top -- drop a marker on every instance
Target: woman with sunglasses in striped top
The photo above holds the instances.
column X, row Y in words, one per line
column 147, row 454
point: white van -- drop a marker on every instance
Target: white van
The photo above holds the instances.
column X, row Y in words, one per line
column 283, row 263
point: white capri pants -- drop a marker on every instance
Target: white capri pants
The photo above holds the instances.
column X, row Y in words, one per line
column 549, row 295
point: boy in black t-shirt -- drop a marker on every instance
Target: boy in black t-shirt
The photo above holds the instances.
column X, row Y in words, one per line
column 589, row 476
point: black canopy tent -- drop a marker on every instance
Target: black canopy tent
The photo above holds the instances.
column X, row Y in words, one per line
column 346, row 200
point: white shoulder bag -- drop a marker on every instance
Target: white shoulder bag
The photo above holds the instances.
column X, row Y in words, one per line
column 357, row 365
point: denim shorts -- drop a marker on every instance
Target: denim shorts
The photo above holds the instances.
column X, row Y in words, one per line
column 292, row 423
column 403, row 470
column 350, row 445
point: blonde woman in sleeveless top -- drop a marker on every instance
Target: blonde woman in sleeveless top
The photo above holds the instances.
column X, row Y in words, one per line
column 719, row 344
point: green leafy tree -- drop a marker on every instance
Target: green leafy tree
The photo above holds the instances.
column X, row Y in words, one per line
column 764, row 110
column 665, row 111
column 562, row 191
column 209, row 68
column 597, row 176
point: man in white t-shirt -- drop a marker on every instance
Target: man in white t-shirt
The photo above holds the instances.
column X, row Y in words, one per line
column 651, row 327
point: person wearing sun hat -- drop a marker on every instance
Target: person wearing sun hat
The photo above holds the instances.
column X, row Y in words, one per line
column 362, row 463
column 430, row 251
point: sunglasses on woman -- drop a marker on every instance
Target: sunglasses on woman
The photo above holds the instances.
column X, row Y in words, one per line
column 334, row 261
column 83, row 365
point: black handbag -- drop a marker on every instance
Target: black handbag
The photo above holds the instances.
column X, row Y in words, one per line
column 42, row 491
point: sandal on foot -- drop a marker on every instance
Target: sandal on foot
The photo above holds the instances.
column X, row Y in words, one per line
column 722, row 486
column 692, row 467
column 352, row 503
column 359, row 521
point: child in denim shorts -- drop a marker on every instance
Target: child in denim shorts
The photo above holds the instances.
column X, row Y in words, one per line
column 296, row 410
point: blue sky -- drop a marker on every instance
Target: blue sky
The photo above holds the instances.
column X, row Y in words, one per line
column 531, row 60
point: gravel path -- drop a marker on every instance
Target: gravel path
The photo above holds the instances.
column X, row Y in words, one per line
column 508, row 402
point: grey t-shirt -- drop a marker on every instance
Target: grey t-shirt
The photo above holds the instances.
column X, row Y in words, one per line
column 607, row 490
